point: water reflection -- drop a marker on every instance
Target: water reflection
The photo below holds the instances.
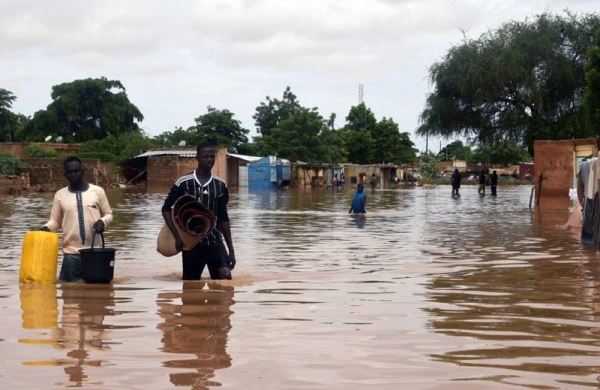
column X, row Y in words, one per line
column 197, row 325
column 39, row 306
column 531, row 314
column 358, row 221
column 83, row 331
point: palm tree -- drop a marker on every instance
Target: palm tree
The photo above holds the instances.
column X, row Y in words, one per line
column 6, row 99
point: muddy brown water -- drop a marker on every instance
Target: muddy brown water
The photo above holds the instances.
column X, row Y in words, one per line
column 426, row 292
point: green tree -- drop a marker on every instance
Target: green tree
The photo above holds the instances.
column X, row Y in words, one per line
column 268, row 115
column 297, row 137
column 500, row 152
column 368, row 141
column 429, row 165
column 219, row 127
column 125, row 147
column 358, row 134
column 84, row 110
column 8, row 119
column 591, row 99
column 456, row 151
column 522, row 82
column 361, row 118
column 391, row 146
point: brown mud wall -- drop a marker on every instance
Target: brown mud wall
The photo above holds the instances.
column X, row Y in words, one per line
column 49, row 172
column 18, row 148
column 14, row 184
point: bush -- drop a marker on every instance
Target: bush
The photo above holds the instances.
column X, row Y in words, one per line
column 103, row 156
column 36, row 151
column 10, row 165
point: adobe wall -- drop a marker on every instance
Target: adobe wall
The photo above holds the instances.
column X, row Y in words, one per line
column 555, row 160
column 164, row 170
column 50, row 172
column 14, row 184
column 18, row 148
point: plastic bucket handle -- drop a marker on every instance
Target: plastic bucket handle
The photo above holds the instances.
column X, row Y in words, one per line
column 94, row 239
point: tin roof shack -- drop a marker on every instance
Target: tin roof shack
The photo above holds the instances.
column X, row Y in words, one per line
column 268, row 173
column 557, row 162
column 237, row 169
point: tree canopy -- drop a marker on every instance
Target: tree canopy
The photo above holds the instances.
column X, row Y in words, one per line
column 294, row 132
column 521, row 82
column 456, row 151
column 592, row 94
column 369, row 142
column 85, row 110
column 7, row 117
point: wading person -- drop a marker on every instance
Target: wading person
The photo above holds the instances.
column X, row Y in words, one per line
column 481, row 189
column 455, row 181
column 494, row 182
column 212, row 192
column 78, row 209
column 358, row 201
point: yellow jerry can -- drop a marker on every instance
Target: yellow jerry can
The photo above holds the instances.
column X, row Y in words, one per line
column 39, row 258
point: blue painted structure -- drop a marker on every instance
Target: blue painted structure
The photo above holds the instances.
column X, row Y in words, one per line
column 269, row 173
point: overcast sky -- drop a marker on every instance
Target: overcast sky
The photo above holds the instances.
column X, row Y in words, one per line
column 175, row 58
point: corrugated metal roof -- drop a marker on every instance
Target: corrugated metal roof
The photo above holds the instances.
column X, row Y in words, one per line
column 181, row 153
column 244, row 157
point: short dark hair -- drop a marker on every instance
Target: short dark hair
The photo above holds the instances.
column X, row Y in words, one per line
column 72, row 159
column 205, row 144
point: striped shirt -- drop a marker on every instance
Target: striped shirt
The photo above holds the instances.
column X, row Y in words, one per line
column 214, row 195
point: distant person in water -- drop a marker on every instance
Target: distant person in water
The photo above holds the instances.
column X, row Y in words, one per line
column 494, row 182
column 373, row 181
column 359, row 201
column 455, row 181
column 481, row 189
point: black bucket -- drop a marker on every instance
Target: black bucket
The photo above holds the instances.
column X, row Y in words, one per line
column 97, row 264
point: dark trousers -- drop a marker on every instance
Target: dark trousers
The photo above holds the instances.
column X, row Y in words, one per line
column 214, row 256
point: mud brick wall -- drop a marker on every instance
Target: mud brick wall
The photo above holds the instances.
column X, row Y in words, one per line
column 164, row 170
column 14, row 184
column 50, row 172
column 18, row 148
column 555, row 160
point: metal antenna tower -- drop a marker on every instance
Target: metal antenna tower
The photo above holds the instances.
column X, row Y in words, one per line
column 360, row 93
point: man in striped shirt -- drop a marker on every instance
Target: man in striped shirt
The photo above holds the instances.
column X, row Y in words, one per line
column 212, row 192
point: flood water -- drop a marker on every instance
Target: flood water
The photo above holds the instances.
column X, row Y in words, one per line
column 426, row 292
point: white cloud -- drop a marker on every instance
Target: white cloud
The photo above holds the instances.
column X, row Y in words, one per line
column 175, row 58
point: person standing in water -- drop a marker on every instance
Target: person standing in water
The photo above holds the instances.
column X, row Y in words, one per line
column 212, row 192
column 455, row 181
column 78, row 209
column 358, row 201
column 373, row 181
column 481, row 189
column 494, row 182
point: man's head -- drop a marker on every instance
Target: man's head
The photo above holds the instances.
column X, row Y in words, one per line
column 206, row 155
column 360, row 188
column 74, row 171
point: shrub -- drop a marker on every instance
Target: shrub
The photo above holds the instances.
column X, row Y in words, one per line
column 10, row 165
column 104, row 156
column 36, row 151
